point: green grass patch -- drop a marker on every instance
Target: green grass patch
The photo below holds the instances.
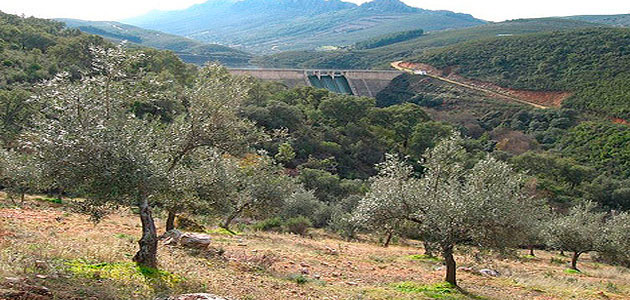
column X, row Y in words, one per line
column 123, row 272
column 223, row 231
column 424, row 257
column 572, row 271
column 441, row 290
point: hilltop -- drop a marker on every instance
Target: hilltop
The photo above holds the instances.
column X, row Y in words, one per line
column 263, row 26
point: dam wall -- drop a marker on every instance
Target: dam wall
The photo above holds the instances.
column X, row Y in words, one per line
column 365, row 83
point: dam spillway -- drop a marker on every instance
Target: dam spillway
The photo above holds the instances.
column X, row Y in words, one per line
column 365, row 83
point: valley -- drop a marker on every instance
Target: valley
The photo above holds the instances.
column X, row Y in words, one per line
column 314, row 149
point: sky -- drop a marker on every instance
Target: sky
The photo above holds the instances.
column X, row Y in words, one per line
column 491, row 10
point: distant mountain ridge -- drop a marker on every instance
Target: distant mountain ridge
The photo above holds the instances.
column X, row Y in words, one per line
column 188, row 50
column 266, row 26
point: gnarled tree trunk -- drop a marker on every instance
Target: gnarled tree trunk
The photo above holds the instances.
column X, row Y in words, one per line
column 531, row 250
column 574, row 260
column 451, row 266
column 147, row 254
column 170, row 221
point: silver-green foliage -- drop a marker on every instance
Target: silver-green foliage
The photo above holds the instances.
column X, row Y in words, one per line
column 486, row 205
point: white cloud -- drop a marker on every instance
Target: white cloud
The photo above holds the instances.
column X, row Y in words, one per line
column 494, row 10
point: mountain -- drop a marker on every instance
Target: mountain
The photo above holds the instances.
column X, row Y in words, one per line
column 188, row 50
column 380, row 57
column 613, row 20
column 266, row 26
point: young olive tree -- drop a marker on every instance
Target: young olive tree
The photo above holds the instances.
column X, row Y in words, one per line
column 258, row 187
column 482, row 206
column 615, row 242
column 20, row 173
column 579, row 231
column 211, row 121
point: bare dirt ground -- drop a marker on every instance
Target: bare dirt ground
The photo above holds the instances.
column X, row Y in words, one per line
column 261, row 265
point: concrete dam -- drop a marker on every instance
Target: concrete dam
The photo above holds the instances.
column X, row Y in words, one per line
column 365, row 83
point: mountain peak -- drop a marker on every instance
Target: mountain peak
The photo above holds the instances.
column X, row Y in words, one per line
column 389, row 6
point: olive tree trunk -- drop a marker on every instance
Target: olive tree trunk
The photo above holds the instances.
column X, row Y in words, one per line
column 388, row 239
column 574, row 260
column 170, row 221
column 451, row 266
column 147, row 254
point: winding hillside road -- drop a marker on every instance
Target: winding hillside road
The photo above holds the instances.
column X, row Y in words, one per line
column 398, row 65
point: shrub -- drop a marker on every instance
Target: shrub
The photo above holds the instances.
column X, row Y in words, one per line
column 271, row 224
column 298, row 225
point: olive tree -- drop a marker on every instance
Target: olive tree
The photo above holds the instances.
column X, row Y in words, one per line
column 451, row 205
column 89, row 140
column 615, row 242
column 579, row 231
column 20, row 173
column 258, row 186
column 211, row 120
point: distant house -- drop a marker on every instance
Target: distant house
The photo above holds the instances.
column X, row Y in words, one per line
column 420, row 72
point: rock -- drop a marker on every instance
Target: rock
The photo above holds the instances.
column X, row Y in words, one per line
column 317, row 276
column 171, row 237
column 198, row 296
column 465, row 269
column 352, row 283
column 489, row 272
column 187, row 239
column 304, row 265
column 304, row 271
column 41, row 276
column 195, row 240
column 440, row 268
column 331, row 251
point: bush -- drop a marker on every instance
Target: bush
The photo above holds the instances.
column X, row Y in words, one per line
column 298, row 225
column 271, row 224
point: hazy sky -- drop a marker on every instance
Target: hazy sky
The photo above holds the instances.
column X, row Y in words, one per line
column 493, row 10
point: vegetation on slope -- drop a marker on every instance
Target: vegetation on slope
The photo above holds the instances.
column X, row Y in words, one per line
column 592, row 63
column 188, row 50
column 381, row 57
column 612, row 20
column 388, row 39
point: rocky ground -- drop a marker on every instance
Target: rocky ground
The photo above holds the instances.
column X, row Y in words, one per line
column 49, row 252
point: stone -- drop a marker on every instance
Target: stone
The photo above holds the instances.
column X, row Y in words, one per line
column 195, row 240
column 465, row 269
column 489, row 272
column 304, row 271
column 352, row 283
column 188, row 240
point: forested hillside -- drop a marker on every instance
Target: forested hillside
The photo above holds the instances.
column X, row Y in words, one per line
column 594, row 64
column 188, row 50
column 380, row 57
